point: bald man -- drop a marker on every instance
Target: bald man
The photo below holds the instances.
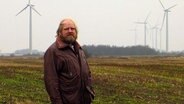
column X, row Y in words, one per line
column 67, row 75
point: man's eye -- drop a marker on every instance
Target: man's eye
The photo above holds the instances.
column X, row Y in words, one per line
column 69, row 28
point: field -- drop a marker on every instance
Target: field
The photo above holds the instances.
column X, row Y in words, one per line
column 123, row 80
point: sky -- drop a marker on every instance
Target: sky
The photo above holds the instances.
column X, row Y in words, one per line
column 100, row 22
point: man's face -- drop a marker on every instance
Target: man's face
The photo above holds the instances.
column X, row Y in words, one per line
column 68, row 33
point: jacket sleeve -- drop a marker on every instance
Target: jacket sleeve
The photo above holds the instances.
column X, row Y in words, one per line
column 51, row 77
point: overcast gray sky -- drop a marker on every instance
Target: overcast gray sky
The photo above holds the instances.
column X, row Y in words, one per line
column 105, row 22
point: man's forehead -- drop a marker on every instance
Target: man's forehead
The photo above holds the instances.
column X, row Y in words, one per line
column 68, row 21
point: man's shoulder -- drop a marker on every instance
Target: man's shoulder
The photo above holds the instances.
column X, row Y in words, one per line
column 51, row 48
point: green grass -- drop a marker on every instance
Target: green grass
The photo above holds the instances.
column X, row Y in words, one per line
column 22, row 82
column 130, row 80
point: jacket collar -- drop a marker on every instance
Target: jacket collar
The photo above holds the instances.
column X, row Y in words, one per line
column 60, row 44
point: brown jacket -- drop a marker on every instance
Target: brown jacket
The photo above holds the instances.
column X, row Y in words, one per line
column 66, row 74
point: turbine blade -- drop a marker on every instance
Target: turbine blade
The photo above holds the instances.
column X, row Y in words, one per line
column 171, row 7
column 147, row 17
column 140, row 22
column 35, row 11
column 29, row 2
column 162, row 22
column 22, row 10
column 162, row 4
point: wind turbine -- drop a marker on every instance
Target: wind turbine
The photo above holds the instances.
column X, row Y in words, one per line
column 160, row 30
column 152, row 36
column 145, row 23
column 31, row 7
column 156, row 31
column 135, row 33
column 167, row 24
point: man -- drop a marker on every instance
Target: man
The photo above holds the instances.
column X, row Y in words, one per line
column 66, row 72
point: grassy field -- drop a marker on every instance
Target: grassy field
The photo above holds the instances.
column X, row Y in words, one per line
column 125, row 80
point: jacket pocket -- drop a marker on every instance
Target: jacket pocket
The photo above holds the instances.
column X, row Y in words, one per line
column 69, row 82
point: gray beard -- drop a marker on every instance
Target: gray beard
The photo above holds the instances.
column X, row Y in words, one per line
column 68, row 40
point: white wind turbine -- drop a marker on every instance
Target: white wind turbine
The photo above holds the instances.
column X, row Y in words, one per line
column 160, row 30
column 145, row 27
column 167, row 24
column 135, row 33
column 152, row 36
column 156, row 31
column 31, row 7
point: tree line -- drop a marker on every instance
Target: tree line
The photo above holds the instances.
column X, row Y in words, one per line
column 106, row 50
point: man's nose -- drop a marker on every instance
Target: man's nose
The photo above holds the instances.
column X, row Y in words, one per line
column 70, row 30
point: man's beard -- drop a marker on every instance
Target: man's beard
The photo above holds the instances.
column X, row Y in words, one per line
column 68, row 39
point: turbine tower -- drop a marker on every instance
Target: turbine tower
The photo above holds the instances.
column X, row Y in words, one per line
column 145, row 23
column 31, row 7
column 166, row 11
